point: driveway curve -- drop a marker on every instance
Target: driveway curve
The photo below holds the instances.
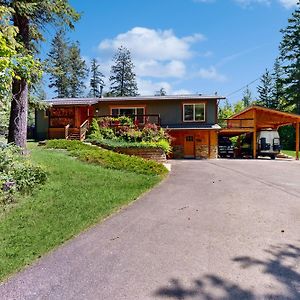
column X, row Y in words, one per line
column 220, row 229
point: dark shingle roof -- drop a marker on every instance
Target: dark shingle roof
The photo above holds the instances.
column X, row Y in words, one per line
column 91, row 101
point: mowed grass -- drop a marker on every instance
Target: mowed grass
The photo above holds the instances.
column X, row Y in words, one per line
column 289, row 152
column 76, row 196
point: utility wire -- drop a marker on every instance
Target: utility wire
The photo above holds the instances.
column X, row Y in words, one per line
column 242, row 88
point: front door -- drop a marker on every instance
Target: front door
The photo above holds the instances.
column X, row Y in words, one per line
column 189, row 146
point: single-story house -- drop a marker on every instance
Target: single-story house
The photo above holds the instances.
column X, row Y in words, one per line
column 190, row 119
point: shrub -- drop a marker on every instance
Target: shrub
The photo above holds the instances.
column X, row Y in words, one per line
column 150, row 136
column 17, row 174
column 108, row 159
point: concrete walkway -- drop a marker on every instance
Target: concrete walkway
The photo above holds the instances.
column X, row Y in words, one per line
column 223, row 229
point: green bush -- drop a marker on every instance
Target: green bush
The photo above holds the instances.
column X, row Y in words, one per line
column 125, row 134
column 108, row 159
column 113, row 144
column 17, row 174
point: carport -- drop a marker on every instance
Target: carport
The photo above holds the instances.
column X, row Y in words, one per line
column 255, row 118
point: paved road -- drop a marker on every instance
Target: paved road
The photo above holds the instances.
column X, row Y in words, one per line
column 213, row 230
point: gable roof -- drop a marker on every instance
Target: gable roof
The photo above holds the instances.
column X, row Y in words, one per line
column 91, row 101
column 275, row 113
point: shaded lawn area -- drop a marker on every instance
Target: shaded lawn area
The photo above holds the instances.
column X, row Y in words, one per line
column 75, row 196
column 289, row 152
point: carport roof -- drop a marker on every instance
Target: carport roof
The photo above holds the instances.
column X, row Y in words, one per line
column 258, row 118
column 267, row 116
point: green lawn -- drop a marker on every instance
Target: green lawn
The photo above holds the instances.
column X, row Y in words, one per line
column 76, row 196
column 289, row 152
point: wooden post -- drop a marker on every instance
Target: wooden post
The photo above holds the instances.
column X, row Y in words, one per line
column 297, row 140
column 254, row 143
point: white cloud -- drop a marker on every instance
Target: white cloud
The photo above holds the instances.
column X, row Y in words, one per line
column 288, row 3
column 153, row 68
column 145, row 43
column 211, row 73
column 182, row 92
column 148, row 87
column 155, row 53
column 246, row 3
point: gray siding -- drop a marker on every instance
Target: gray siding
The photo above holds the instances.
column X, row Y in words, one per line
column 41, row 126
column 170, row 111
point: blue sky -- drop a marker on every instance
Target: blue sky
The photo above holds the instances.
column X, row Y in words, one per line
column 185, row 46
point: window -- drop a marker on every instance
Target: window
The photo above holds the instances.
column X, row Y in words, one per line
column 137, row 112
column 194, row 112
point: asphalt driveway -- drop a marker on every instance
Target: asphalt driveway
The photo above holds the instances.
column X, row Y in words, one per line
column 220, row 229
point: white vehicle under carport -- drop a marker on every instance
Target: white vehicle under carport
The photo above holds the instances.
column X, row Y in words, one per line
column 268, row 142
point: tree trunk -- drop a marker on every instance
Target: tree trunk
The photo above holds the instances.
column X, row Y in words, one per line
column 19, row 106
column 18, row 113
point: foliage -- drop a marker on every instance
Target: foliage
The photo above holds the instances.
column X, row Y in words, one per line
column 15, row 61
column 287, row 137
column 290, row 58
column 30, row 18
column 123, row 79
column 265, row 91
column 108, row 159
column 58, row 66
column 17, row 174
column 121, row 130
column 228, row 110
column 114, row 144
column 96, row 82
column 67, row 69
column 78, row 71
column 278, row 90
column 37, row 96
column 247, row 97
column 161, row 92
column 75, row 196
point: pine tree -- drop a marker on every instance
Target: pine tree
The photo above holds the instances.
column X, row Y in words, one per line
column 58, row 66
column 31, row 18
column 161, row 92
column 96, row 82
column 123, row 79
column 265, row 90
column 290, row 57
column 77, row 72
column 278, row 91
column 247, row 97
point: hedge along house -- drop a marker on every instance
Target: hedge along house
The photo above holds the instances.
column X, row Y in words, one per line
column 190, row 119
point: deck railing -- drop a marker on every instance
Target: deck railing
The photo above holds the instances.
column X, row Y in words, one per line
column 245, row 123
column 138, row 120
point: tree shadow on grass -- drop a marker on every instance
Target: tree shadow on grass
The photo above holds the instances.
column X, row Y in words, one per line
column 282, row 266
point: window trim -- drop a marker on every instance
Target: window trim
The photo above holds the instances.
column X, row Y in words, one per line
column 194, row 112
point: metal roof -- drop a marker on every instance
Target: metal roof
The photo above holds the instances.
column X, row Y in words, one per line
column 91, row 101
column 72, row 101
column 167, row 97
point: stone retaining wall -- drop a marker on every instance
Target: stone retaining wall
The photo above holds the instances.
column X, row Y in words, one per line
column 156, row 154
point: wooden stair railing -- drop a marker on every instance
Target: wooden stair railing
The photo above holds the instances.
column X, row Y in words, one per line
column 83, row 129
column 67, row 131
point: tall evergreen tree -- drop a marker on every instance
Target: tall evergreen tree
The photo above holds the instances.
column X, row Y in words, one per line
column 123, row 79
column 290, row 57
column 96, row 82
column 77, row 72
column 58, row 65
column 278, row 91
column 247, row 97
column 265, row 90
column 31, row 18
